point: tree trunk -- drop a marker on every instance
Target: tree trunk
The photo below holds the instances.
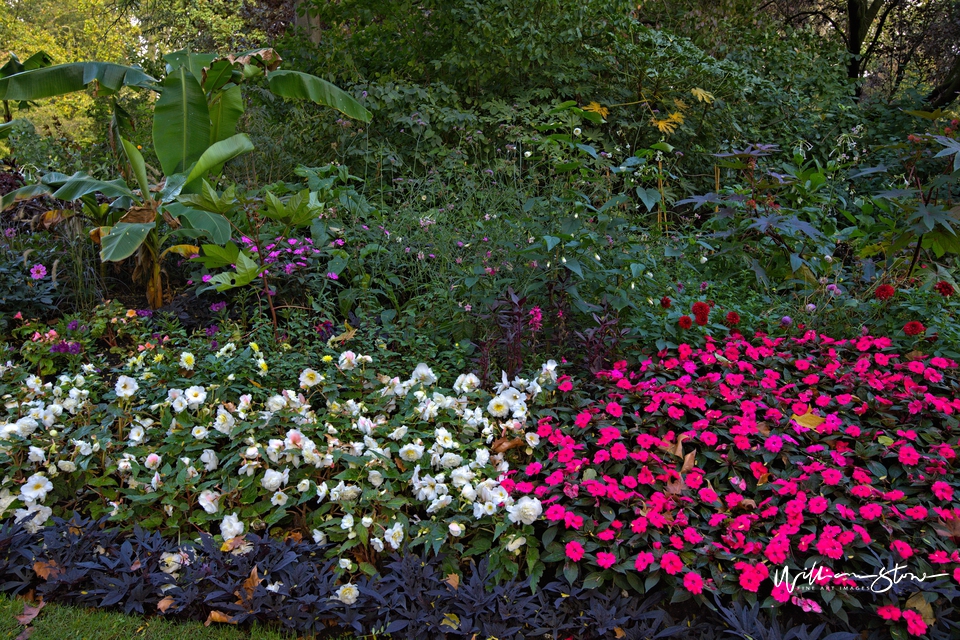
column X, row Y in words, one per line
column 947, row 91
column 303, row 20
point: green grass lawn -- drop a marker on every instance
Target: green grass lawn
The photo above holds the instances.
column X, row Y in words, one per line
column 58, row 622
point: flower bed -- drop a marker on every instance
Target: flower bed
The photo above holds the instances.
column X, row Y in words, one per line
column 713, row 469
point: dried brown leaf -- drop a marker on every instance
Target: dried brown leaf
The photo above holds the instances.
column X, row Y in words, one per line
column 248, row 588
column 139, row 215
column 29, row 613
column 504, row 444
column 920, row 604
column 453, row 580
column 165, row 604
column 219, row 616
column 46, row 569
column 689, row 461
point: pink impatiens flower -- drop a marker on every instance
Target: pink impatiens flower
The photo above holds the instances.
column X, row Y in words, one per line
column 671, row 563
column 606, row 559
column 574, row 550
column 693, row 583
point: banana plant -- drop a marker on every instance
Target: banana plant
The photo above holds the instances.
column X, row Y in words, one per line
column 14, row 66
column 140, row 223
column 194, row 134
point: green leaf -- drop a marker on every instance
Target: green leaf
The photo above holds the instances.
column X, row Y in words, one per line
column 217, row 75
column 302, row 86
column 571, row 571
column 124, row 238
column 212, row 225
column 7, row 128
column 225, row 111
column 69, row 78
column 218, row 153
column 193, row 62
column 23, row 193
column 181, row 122
column 246, row 271
column 551, row 241
column 649, row 197
column 574, row 265
column 79, row 185
column 139, row 167
column 214, row 256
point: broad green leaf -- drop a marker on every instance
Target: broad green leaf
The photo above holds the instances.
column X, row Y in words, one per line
column 302, row 86
column 139, row 168
column 649, row 197
column 246, row 271
column 23, row 193
column 219, row 153
column 81, row 184
column 124, row 238
column 68, row 78
column 215, row 256
column 212, row 225
column 574, row 265
column 7, row 128
column 225, row 111
column 181, row 122
column 551, row 242
column 217, row 75
column 193, row 62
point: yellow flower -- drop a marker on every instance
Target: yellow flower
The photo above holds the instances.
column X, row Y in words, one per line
column 255, row 347
column 327, row 358
column 263, row 366
column 596, row 107
column 701, row 95
column 158, row 358
column 131, row 313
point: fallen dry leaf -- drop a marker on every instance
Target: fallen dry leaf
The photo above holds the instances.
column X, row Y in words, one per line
column 920, row 604
column 165, row 604
column 453, row 580
column 675, row 486
column 26, row 633
column 689, row 461
column 139, row 215
column 249, row 587
column 808, row 420
column 503, row 444
column 46, row 569
column 29, row 613
column 620, row 633
column 219, row 616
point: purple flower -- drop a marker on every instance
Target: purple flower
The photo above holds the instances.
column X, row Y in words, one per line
column 212, row 330
column 217, row 307
column 811, row 308
column 333, row 276
column 786, row 320
column 145, row 313
column 703, row 286
column 37, row 271
column 73, row 326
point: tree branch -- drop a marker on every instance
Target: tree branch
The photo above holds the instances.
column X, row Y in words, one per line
column 878, row 32
column 821, row 14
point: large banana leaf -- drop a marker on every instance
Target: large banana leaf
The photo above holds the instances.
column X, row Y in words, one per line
column 124, row 238
column 7, row 128
column 225, row 111
column 181, row 122
column 218, row 153
column 139, row 166
column 28, row 192
column 37, row 61
column 302, row 86
column 67, row 78
column 197, row 223
column 193, row 62
column 81, row 184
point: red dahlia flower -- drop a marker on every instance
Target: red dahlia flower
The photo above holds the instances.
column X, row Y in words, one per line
column 701, row 309
column 685, row 322
column 665, row 302
column 884, row 292
column 914, row 328
column 944, row 288
column 733, row 318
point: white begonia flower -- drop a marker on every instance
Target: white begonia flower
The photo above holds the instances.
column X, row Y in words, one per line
column 209, row 459
column 398, row 433
column 345, row 563
column 461, row 476
column 187, row 360
column 303, row 485
column 377, row 544
column 33, row 517
column 481, row 458
column 548, row 372
column 179, row 404
column 274, row 587
column 279, row 499
column 209, row 501
column 275, row 403
column 411, row 452
column 347, row 594
column 394, row 535
column 375, row 478
column 126, row 387
column 322, row 491
column 577, row 131
column 153, row 461
column 26, row 426
column 516, row 543
column 273, row 480
column 532, row 439
column 224, row 422
column 83, row 448
column 347, row 360
column 366, row 522
column 346, row 523
column 468, row 493
column 137, row 433
column 231, row 527
column 449, row 460
column 498, row 407
column 310, row 378
column 525, row 510
column 466, row 383
column 195, row 396
column 36, row 488
column 200, row 432
column 37, row 455
column 703, row 259
column 455, row 529
column 423, row 374
column 439, row 503
column 481, row 509
column 319, row 537
column 445, row 439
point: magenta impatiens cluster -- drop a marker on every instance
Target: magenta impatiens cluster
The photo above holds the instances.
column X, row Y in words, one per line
column 724, row 466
